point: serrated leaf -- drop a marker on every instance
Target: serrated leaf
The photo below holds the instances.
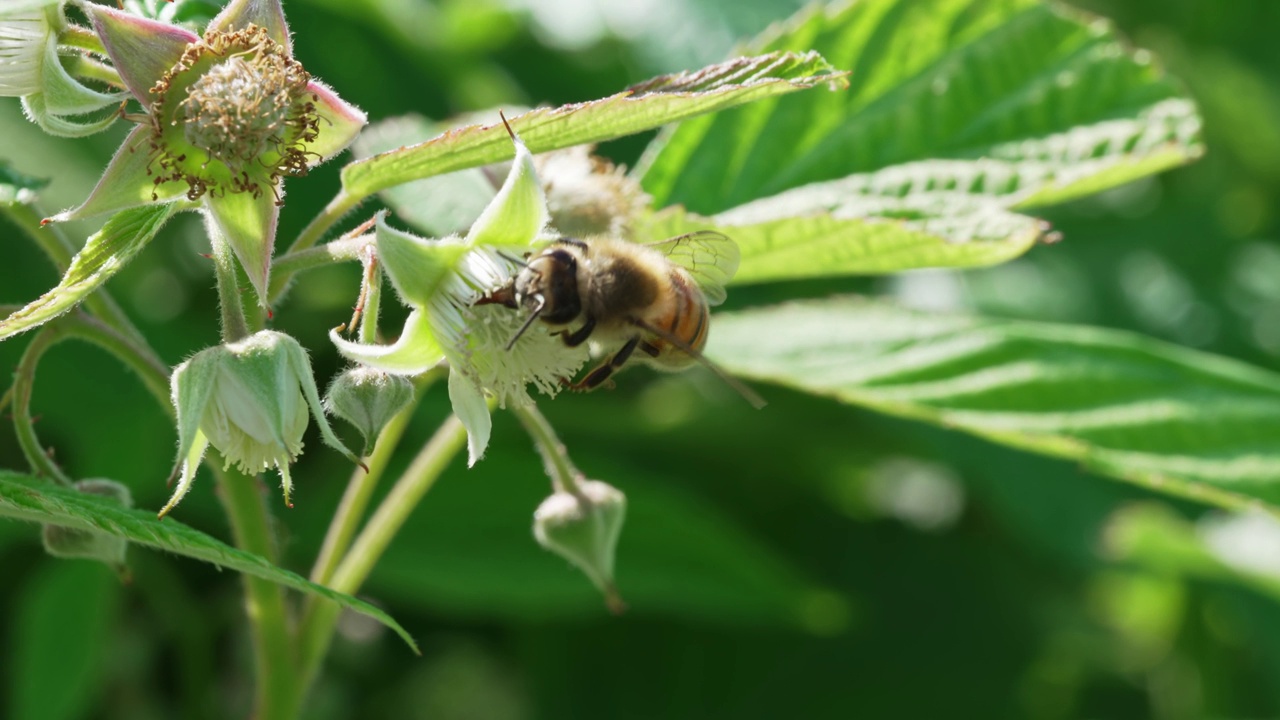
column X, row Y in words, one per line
column 1174, row 420
column 1051, row 93
column 920, row 232
column 665, row 99
column 106, row 251
column 29, row 499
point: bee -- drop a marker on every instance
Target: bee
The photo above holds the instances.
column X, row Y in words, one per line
column 650, row 301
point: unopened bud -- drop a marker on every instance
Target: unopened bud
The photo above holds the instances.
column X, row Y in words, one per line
column 65, row 542
column 583, row 527
column 368, row 399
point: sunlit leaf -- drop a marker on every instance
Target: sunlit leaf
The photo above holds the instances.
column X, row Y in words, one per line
column 662, row 100
column 1048, row 98
column 1174, row 420
column 108, row 250
column 25, row 498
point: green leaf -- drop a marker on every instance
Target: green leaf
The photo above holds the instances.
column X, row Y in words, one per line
column 106, row 251
column 662, row 100
column 1029, row 101
column 952, row 232
column 61, row 631
column 29, row 499
column 1174, row 420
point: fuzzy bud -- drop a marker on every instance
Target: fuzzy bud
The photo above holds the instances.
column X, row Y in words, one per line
column 583, row 527
column 368, row 399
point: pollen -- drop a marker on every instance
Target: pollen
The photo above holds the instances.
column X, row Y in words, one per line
column 234, row 115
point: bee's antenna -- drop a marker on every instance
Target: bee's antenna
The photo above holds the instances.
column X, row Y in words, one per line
column 542, row 302
column 746, row 392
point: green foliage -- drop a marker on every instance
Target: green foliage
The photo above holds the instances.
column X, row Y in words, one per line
column 29, row 499
column 1178, row 421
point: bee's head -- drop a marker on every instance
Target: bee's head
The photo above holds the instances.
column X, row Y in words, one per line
column 547, row 286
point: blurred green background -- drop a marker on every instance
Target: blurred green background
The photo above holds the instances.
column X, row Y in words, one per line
column 809, row 560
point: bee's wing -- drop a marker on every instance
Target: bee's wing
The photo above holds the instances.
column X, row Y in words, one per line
column 710, row 257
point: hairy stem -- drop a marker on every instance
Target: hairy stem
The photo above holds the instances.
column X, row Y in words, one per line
column 90, row 69
column 565, row 477
column 286, row 266
column 76, row 36
column 234, row 325
column 276, row 668
column 340, row 205
column 418, row 478
column 154, row 376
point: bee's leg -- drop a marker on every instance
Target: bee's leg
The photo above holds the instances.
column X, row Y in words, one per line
column 579, row 336
column 597, row 376
column 649, row 349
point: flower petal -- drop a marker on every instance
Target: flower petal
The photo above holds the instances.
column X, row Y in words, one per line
column 416, row 352
column 264, row 13
column 249, row 225
column 340, row 122
column 142, row 50
column 126, row 182
column 470, row 407
column 416, row 266
column 519, row 212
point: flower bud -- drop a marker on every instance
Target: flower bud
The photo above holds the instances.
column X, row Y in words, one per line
column 587, row 195
column 368, row 399
column 582, row 526
column 64, row 542
column 249, row 399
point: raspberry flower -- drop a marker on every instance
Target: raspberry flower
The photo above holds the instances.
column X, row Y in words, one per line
column 30, row 69
column 442, row 280
column 228, row 116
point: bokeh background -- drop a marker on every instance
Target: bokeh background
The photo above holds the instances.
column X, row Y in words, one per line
column 809, row 560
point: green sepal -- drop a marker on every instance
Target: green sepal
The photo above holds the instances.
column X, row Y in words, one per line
column 415, row 266
column 416, row 352
column 191, row 387
column 583, row 526
column 519, row 211
column 368, row 399
column 473, row 411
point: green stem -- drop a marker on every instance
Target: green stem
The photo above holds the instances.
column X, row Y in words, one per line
column 275, row 696
column 372, row 299
column 154, row 376
column 359, row 489
column 565, row 477
column 90, row 69
column 234, row 325
column 340, row 205
column 418, row 478
column 286, row 266
column 57, row 246
column 83, row 38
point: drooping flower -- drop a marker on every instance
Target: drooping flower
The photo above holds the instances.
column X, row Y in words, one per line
column 442, row 280
column 30, row 69
column 249, row 399
column 228, row 116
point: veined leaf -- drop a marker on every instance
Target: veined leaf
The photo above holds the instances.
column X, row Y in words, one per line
column 1174, row 420
column 662, row 100
column 1050, row 95
column 25, row 498
column 106, row 251
column 937, row 230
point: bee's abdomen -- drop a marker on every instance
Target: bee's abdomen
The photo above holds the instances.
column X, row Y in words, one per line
column 688, row 322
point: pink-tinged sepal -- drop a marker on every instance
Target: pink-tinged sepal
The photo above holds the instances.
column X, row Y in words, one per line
column 340, row 123
column 127, row 182
column 249, row 225
column 264, row 13
column 142, row 50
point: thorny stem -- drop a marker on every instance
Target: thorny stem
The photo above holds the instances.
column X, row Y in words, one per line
column 564, row 476
column 234, row 325
column 418, row 478
column 154, row 376
column 275, row 696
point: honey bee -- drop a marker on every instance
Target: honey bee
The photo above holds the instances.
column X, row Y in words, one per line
column 650, row 301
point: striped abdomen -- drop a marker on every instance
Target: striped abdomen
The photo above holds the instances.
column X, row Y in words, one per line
column 687, row 322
